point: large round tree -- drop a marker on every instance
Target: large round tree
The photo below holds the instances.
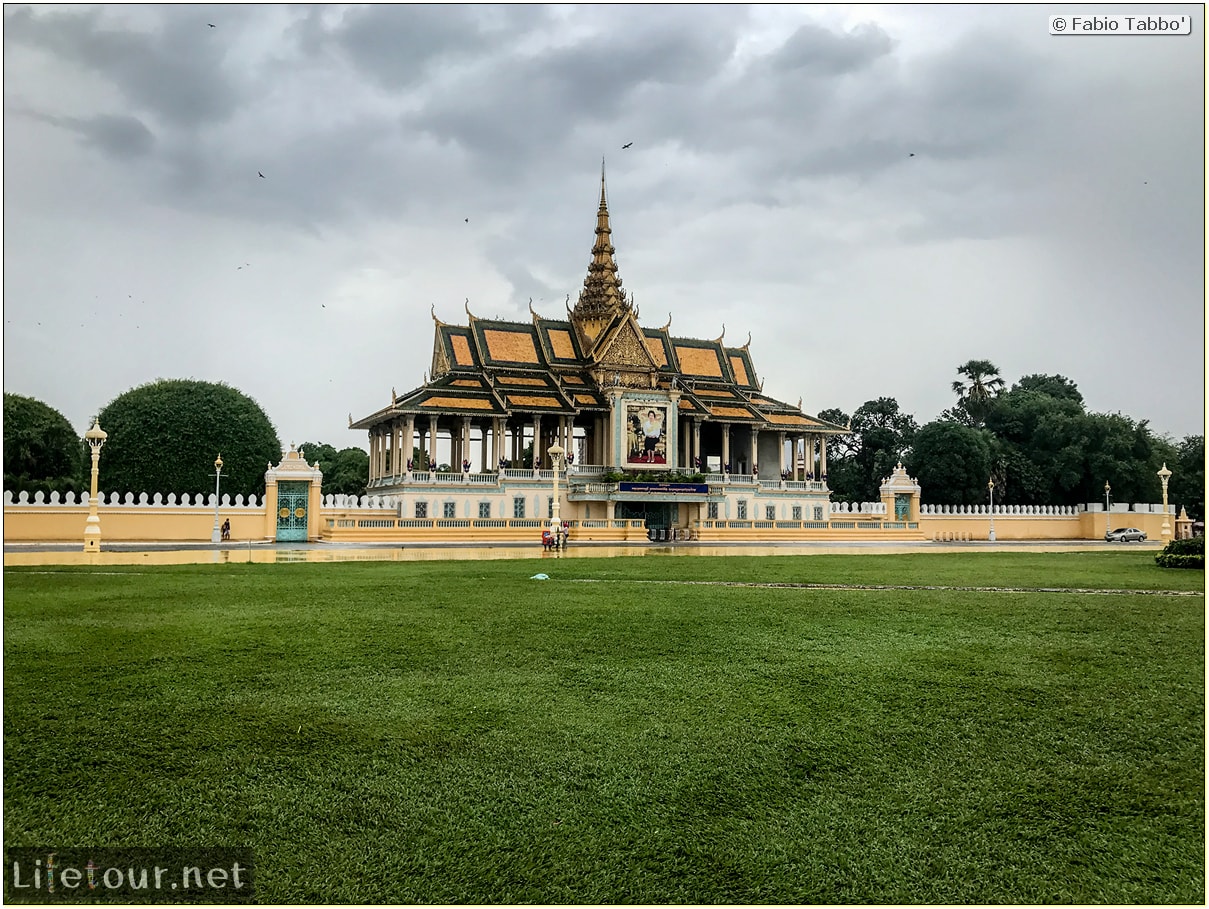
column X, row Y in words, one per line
column 165, row 435
column 951, row 462
column 41, row 449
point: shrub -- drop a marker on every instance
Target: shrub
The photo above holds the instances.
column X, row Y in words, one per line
column 1188, row 553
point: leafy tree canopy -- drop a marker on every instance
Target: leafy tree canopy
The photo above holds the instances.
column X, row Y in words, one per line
column 164, row 437
column 345, row 472
column 41, row 449
column 981, row 383
column 881, row 434
column 1187, row 484
column 952, row 462
column 1055, row 386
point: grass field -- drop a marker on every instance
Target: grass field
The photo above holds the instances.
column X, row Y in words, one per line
column 632, row 730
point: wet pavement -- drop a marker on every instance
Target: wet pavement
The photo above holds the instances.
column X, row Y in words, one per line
column 17, row 554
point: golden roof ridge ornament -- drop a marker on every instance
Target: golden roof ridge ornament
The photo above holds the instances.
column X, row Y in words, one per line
column 602, row 294
column 668, row 327
column 434, row 315
column 748, row 344
column 718, row 340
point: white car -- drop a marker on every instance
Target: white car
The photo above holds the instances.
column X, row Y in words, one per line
column 1124, row 535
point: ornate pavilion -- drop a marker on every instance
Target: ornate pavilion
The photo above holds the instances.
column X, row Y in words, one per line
column 618, row 398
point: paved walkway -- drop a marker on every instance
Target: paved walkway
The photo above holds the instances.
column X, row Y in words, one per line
column 150, row 553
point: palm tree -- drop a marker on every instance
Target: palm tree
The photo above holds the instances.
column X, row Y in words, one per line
column 983, row 383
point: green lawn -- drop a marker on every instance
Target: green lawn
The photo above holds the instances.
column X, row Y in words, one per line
column 455, row 732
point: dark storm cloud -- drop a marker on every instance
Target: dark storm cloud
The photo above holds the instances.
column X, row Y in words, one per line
column 395, row 45
column 174, row 71
column 527, row 103
column 117, row 135
column 818, row 50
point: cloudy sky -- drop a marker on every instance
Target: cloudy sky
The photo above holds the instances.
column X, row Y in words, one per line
column 876, row 193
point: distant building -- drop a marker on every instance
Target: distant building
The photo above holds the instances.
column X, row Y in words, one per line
column 618, row 398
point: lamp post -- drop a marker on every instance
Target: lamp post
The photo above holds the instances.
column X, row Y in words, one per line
column 991, row 487
column 216, row 534
column 1107, row 506
column 1165, row 475
column 555, row 452
column 92, row 526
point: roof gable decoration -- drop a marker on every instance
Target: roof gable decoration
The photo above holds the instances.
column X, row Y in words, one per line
column 624, row 355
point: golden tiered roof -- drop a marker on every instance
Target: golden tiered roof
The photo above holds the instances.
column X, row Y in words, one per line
column 490, row 367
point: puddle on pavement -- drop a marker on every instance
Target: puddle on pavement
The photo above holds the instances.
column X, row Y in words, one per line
column 237, row 555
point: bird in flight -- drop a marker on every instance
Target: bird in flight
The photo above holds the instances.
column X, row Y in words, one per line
column 467, row 220
column 259, row 174
column 912, row 155
column 211, row 24
column 627, row 145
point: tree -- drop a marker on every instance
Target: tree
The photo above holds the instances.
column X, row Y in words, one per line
column 982, row 383
column 1038, row 445
column 1187, row 484
column 951, row 463
column 164, row 437
column 838, row 446
column 349, row 472
column 41, row 449
column 1055, row 386
column 345, row 472
column 881, row 434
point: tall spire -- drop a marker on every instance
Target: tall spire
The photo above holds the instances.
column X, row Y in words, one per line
column 602, row 294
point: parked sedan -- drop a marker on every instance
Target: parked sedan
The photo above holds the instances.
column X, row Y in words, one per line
column 1124, row 535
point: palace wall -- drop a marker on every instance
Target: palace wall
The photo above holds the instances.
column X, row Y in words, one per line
column 143, row 518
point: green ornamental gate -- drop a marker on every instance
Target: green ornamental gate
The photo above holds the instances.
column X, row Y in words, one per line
column 291, row 510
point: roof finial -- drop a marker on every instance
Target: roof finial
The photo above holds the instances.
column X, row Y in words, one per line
column 468, row 312
column 748, row 344
column 434, row 315
column 669, row 323
column 602, row 294
column 718, row 340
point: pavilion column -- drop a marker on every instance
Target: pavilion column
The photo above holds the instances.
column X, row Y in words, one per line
column 725, row 446
column 781, row 448
column 433, row 460
column 537, row 439
column 373, row 454
column 697, row 444
column 409, row 437
column 600, row 454
column 464, row 448
column 394, row 448
column 822, row 456
column 483, row 468
column 755, row 450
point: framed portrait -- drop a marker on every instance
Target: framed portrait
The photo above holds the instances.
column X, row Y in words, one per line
column 646, row 434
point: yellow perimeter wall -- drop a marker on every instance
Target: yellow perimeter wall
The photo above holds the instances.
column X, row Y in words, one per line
column 162, row 523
